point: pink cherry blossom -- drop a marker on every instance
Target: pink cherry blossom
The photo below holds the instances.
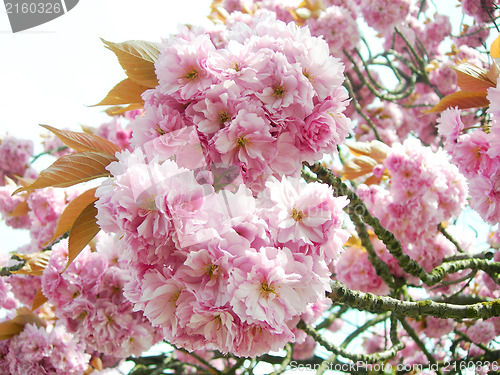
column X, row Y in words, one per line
column 307, row 214
column 435, row 327
column 355, row 270
column 325, row 127
column 40, row 350
column 485, row 196
column 483, row 11
column 181, row 69
column 246, row 139
column 114, row 132
column 14, row 157
column 481, row 332
column 384, row 15
column 267, row 288
column 89, row 301
column 338, row 28
column 450, row 124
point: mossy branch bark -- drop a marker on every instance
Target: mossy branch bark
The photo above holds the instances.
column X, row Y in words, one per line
column 6, row 271
column 357, row 207
column 366, row 358
column 380, row 266
column 379, row 304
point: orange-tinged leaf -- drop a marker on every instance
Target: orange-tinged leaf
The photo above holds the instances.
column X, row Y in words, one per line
column 125, row 92
column 38, row 300
column 88, row 129
column 111, row 111
column 118, row 110
column 372, row 180
column 35, row 263
column 72, row 211
column 24, row 181
column 360, row 148
column 137, row 58
column 84, row 141
column 218, row 13
column 72, row 169
column 359, row 166
column 21, row 209
column 462, row 100
column 353, row 242
column 9, row 329
column 472, row 78
column 26, row 316
column 13, row 327
column 313, row 5
column 379, row 151
column 375, row 149
column 495, row 48
column 96, row 363
column 83, row 230
column 494, row 70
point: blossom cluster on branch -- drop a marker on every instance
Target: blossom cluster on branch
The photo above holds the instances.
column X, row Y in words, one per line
column 264, row 184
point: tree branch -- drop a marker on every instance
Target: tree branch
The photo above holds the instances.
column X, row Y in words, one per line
column 378, row 304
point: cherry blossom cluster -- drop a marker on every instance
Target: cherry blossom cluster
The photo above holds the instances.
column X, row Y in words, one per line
column 214, row 243
column 89, row 300
column 265, row 96
column 43, row 350
column 14, row 157
column 221, row 269
column 482, row 12
column 424, row 190
column 477, row 155
column 337, row 23
column 355, row 269
column 44, row 206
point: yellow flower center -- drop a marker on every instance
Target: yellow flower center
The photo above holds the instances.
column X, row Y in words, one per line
column 266, row 289
column 211, row 270
column 279, row 91
column 159, row 130
column 147, row 202
column 223, row 117
column 297, row 215
column 308, row 75
column 241, row 142
column 174, row 298
column 191, row 74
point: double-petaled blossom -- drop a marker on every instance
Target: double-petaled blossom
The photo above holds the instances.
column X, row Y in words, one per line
column 211, row 267
column 14, row 157
column 425, row 189
column 306, row 214
column 247, row 96
column 90, row 303
column 40, row 350
column 476, row 154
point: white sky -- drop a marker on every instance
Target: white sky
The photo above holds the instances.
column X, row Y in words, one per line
column 51, row 73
